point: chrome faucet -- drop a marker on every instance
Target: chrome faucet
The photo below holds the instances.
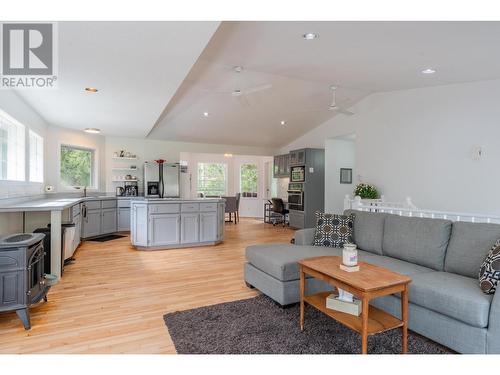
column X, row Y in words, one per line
column 85, row 192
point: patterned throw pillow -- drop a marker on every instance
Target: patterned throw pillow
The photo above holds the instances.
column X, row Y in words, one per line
column 489, row 274
column 333, row 230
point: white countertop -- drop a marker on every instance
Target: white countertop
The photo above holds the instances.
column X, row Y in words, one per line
column 176, row 200
column 48, row 203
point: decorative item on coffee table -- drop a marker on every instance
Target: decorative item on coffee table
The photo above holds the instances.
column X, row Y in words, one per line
column 349, row 258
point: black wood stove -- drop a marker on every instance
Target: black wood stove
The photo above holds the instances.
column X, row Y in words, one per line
column 22, row 278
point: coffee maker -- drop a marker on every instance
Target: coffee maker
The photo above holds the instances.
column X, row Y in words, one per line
column 131, row 191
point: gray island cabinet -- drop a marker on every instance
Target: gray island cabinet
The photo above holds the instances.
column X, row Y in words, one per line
column 173, row 223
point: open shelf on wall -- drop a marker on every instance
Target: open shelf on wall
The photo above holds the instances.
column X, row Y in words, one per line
column 126, row 180
column 124, row 158
column 125, row 169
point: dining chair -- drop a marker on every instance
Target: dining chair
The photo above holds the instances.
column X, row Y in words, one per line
column 231, row 207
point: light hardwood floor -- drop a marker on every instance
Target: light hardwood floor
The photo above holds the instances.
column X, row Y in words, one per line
column 113, row 298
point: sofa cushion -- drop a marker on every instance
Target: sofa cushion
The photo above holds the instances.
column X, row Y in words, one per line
column 396, row 265
column 456, row 296
column 469, row 245
column 304, row 236
column 489, row 275
column 280, row 260
column 333, row 230
column 417, row 240
column 368, row 230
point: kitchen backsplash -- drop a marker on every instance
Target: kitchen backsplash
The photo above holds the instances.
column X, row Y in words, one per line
column 13, row 190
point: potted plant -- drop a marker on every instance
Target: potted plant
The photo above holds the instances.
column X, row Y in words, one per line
column 366, row 191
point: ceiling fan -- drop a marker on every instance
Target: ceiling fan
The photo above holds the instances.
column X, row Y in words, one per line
column 334, row 107
column 239, row 92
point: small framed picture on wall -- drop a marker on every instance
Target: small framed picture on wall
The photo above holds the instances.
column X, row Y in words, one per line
column 345, row 175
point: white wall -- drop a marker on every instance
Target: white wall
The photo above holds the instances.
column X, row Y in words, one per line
column 418, row 143
column 339, row 153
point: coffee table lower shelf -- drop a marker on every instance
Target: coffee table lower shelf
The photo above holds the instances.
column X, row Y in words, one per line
column 378, row 320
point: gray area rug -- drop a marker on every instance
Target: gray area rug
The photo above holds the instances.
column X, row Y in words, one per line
column 259, row 326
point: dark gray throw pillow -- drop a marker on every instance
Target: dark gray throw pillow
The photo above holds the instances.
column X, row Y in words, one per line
column 333, row 230
column 489, row 274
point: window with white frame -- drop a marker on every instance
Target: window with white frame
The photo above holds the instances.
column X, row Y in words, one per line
column 248, row 180
column 77, row 167
column 12, row 149
column 212, row 179
column 36, row 157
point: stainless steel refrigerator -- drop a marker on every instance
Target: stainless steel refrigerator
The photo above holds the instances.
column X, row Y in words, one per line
column 152, row 180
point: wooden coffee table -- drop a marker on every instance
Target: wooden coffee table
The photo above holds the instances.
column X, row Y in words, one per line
column 368, row 283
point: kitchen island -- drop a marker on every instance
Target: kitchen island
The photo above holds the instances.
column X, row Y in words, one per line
column 169, row 223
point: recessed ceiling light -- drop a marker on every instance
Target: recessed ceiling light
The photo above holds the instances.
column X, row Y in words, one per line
column 283, row 122
column 92, row 130
column 91, row 89
column 310, row 36
column 228, row 155
column 428, row 71
column 205, row 114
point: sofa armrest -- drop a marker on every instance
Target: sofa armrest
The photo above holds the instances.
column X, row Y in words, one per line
column 493, row 335
column 304, row 236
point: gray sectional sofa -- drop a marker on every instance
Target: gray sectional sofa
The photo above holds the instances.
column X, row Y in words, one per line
column 442, row 258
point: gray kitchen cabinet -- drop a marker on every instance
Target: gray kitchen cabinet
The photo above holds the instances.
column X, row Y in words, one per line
column 91, row 223
column 98, row 217
column 297, row 157
column 123, row 219
column 139, row 224
column 93, row 205
column 281, row 166
column 164, row 229
column 276, row 163
column 182, row 223
column 108, row 220
column 190, row 227
column 108, row 203
column 301, row 157
column 287, row 165
column 208, row 226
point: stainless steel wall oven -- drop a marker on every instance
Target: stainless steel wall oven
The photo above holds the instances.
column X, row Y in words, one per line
column 295, row 196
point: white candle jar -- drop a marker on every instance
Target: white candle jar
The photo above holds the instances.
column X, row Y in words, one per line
column 350, row 255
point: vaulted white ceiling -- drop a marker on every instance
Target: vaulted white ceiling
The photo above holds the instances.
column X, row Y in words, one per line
column 359, row 57
column 158, row 78
column 137, row 67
